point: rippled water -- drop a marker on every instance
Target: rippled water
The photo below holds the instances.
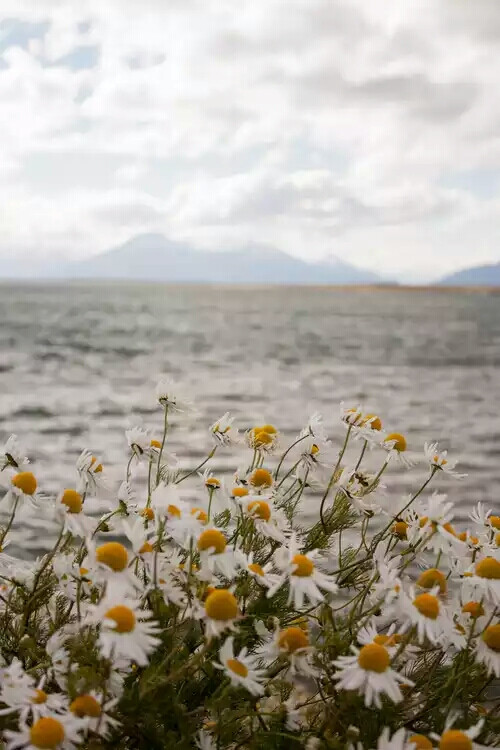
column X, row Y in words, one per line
column 80, row 361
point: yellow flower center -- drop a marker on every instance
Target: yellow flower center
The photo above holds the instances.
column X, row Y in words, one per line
column 239, row 492
column 353, row 416
column 269, row 428
column 25, row 481
column 261, row 478
column 85, row 705
column 497, row 539
column 73, row 501
column 371, row 420
column 98, row 468
column 453, row 739
column 114, row 555
column 173, row 510
column 314, row 449
column 421, row 742
column 427, row 605
column 464, row 537
column 260, row 509
column 123, row 617
column 262, row 438
column 495, row 521
column 303, row 566
column 400, row 444
column 40, row 697
column 212, row 483
column 47, row 733
column 374, row 658
column 488, row 568
column 400, row 528
column 491, row 637
column 146, row 547
column 200, row 514
column 155, row 444
column 212, row 538
column 292, row 639
column 222, row 605
column 432, row 577
column 475, row 609
column 84, row 571
column 148, row 514
column 237, row 667
column 449, row 528
column 257, row 569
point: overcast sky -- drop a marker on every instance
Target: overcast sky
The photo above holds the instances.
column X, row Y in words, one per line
column 365, row 129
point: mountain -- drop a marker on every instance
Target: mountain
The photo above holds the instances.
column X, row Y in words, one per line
column 153, row 257
column 476, row 276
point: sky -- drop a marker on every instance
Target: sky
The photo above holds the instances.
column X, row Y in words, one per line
column 368, row 131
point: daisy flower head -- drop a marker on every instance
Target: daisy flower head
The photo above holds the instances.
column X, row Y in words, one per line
column 222, row 431
column 458, row 739
column 301, row 574
column 91, row 474
column 269, row 520
column 22, row 488
column 483, row 579
column 242, row 669
column 261, row 574
column 479, row 515
column 166, row 502
column 357, row 487
column 432, row 522
column 220, row 612
column 140, row 538
column 125, row 629
column 397, row 446
column 51, row 732
column 12, row 455
column 215, row 555
column 316, row 429
column 94, row 710
column 487, row 650
column 291, row 643
column 427, row 614
column 260, row 480
column 351, row 416
column 263, row 438
column 369, row 672
column 439, row 460
column 109, row 564
column 139, row 442
column 170, row 397
column 69, row 509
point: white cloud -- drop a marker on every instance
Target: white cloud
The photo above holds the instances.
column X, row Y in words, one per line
column 321, row 126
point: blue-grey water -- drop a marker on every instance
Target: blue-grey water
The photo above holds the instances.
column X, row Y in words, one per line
column 79, row 362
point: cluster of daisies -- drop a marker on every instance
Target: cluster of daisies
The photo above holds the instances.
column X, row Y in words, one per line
column 297, row 603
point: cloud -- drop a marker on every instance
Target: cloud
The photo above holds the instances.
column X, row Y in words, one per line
column 368, row 130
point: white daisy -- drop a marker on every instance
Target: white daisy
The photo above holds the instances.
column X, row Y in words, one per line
column 439, row 460
column 426, row 613
column 22, row 488
column 483, row 579
column 91, row 475
column 57, row 731
column 269, row 520
column 396, row 445
column 262, row 574
column 461, row 738
column 108, row 564
column 487, row 650
column 12, row 454
column 94, row 711
column 291, row 643
column 141, row 539
column 139, row 441
column 125, row 628
column 168, row 394
column 216, row 556
column 369, row 672
column 220, row 612
column 241, row 669
column 303, row 577
column 222, row 430
column 69, row 510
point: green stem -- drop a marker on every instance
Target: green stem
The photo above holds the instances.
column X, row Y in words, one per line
column 165, row 430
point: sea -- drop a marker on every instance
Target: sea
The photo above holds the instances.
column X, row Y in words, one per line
column 79, row 363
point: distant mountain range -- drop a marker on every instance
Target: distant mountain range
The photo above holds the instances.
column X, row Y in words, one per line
column 152, row 257
column 476, row 276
